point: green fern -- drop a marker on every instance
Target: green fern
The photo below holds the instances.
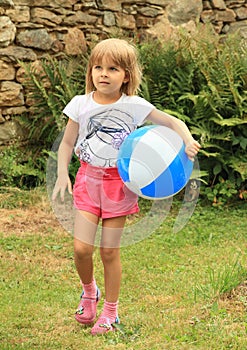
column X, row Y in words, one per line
column 206, row 87
column 51, row 87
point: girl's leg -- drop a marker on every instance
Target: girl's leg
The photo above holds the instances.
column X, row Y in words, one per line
column 84, row 231
column 84, row 235
column 110, row 255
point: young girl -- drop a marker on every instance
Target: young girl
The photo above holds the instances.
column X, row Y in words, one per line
column 98, row 123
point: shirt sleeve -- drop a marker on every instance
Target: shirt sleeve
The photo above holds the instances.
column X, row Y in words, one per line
column 72, row 109
column 143, row 109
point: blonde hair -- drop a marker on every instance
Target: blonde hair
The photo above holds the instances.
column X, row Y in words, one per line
column 124, row 55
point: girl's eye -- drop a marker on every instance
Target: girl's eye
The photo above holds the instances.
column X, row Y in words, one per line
column 97, row 67
column 113, row 69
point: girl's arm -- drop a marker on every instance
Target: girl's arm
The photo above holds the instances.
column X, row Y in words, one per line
column 64, row 156
column 161, row 118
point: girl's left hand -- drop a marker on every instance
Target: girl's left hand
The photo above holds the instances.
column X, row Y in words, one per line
column 192, row 148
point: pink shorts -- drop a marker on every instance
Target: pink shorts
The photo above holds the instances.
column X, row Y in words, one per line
column 101, row 191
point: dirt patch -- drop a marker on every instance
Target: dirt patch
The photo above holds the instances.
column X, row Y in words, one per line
column 27, row 221
column 237, row 297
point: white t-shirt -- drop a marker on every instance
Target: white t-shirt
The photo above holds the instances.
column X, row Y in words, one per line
column 102, row 128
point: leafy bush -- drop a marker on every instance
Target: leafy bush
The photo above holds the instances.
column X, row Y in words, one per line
column 202, row 79
column 20, row 169
column 50, row 86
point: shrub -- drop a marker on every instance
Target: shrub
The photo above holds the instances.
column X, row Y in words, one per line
column 20, row 169
column 50, row 87
column 202, row 79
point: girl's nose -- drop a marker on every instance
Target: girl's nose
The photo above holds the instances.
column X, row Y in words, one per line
column 104, row 73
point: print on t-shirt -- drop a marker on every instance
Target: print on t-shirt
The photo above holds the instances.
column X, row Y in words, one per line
column 105, row 132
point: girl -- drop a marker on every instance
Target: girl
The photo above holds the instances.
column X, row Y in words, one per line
column 98, row 123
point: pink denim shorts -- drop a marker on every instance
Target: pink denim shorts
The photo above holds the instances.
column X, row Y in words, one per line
column 101, row 191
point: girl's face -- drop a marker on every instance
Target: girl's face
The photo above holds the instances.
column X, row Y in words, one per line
column 108, row 79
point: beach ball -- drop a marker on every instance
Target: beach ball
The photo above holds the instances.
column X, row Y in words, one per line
column 152, row 162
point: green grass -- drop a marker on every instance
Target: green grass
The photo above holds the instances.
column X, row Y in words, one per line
column 179, row 291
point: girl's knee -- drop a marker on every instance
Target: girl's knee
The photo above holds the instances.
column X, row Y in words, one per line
column 109, row 254
column 82, row 250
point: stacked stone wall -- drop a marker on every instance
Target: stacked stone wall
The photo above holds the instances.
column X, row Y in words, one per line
column 30, row 29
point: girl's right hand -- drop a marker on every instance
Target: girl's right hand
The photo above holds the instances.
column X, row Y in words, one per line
column 63, row 182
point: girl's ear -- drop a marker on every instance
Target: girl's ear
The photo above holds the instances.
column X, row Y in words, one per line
column 127, row 77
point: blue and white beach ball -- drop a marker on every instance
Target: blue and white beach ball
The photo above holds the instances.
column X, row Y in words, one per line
column 152, row 162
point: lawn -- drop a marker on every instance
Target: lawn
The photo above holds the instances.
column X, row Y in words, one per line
column 179, row 291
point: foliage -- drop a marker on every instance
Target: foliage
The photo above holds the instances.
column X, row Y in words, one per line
column 221, row 192
column 50, row 87
column 20, row 169
column 202, row 79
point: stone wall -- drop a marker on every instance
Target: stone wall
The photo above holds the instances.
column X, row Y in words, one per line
column 29, row 29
